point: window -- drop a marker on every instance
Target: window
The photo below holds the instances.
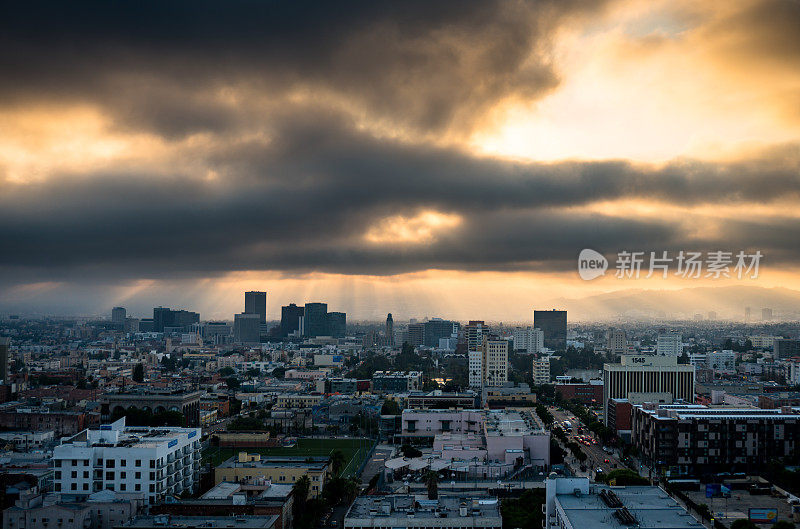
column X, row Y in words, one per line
column 74, row 474
column 85, row 486
column 122, row 486
column 85, row 474
column 137, row 487
column 152, row 463
column 138, row 462
column 138, row 475
column 73, row 486
column 58, row 487
column 58, row 474
column 152, row 476
column 110, row 463
column 122, row 475
column 152, row 488
column 109, row 476
column 58, row 463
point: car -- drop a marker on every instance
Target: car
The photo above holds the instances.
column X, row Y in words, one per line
column 606, row 461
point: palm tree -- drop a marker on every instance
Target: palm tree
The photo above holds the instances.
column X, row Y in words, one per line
column 337, row 462
column 432, row 482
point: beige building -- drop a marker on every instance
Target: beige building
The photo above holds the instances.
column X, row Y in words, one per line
column 647, row 374
column 541, row 371
column 245, row 467
column 488, row 366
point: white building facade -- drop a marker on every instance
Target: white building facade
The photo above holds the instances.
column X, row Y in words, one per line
column 156, row 462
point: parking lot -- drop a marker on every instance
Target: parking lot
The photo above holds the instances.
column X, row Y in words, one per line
column 728, row 510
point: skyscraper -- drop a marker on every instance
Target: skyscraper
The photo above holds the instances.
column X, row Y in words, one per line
column 766, row 314
column 247, row 328
column 255, row 302
column 389, row 330
column 337, row 324
column 617, row 341
column 315, row 319
column 4, row 345
column 437, row 328
column 553, row 324
column 290, row 319
column 118, row 315
column 669, row 344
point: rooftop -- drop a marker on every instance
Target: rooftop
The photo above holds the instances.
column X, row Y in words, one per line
column 203, row 521
column 399, row 510
column 650, row 507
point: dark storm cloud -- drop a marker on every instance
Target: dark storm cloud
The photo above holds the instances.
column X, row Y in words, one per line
column 305, row 201
column 424, row 65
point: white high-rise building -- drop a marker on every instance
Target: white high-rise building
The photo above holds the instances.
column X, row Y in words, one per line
column 157, row 462
column 541, row 371
column 669, row 344
column 529, row 339
column 488, row 366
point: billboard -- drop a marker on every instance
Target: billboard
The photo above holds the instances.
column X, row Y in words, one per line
column 763, row 515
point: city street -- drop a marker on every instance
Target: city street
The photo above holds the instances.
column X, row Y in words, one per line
column 596, row 455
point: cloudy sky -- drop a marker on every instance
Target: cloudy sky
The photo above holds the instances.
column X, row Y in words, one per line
column 419, row 158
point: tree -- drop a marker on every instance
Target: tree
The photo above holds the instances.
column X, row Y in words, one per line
column 138, row 372
column 432, row 483
column 300, row 490
column 232, row 383
column 783, row 524
column 227, row 371
column 390, row 407
column 410, row 451
column 624, row 477
column 337, row 462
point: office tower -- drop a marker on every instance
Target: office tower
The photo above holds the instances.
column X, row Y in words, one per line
column 712, row 316
column 766, row 314
column 129, row 460
column 416, row 334
column 528, row 339
column 617, row 341
column 4, row 347
column 553, row 324
column 637, row 376
column 247, row 328
column 256, row 303
column 290, row 319
column 488, row 366
column 474, row 334
column 184, row 318
column 747, row 314
column 389, row 330
column 337, row 324
column 118, row 315
column 437, row 328
column 541, row 370
column 669, row 344
column 162, row 317
column 315, row 319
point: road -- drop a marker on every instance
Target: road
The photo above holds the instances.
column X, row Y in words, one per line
column 597, row 457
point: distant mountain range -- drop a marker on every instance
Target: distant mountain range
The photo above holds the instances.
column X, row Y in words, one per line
column 727, row 302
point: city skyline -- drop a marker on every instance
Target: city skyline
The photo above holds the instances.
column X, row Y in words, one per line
column 451, row 160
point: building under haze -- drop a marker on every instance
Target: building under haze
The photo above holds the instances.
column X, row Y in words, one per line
column 4, row 349
column 436, row 329
column 636, row 376
column 617, row 342
column 255, row 302
column 528, row 339
column 247, row 328
column 118, row 315
column 290, row 319
column 389, row 330
column 669, row 344
column 337, row 324
column 168, row 320
column 553, row 324
column 784, row 348
column 315, row 320
column 473, row 333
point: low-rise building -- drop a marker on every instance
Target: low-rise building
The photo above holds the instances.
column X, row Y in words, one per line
column 574, row 503
column 247, row 467
column 396, row 381
column 409, row 512
column 101, row 510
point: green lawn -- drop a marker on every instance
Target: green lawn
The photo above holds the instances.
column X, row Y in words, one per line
column 354, row 450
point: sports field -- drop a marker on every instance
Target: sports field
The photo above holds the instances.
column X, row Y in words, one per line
column 354, row 450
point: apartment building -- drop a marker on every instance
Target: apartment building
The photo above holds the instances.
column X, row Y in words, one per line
column 157, row 462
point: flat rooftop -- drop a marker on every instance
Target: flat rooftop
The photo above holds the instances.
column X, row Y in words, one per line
column 396, row 511
column 311, row 463
column 651, row 507
column 188, row 522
